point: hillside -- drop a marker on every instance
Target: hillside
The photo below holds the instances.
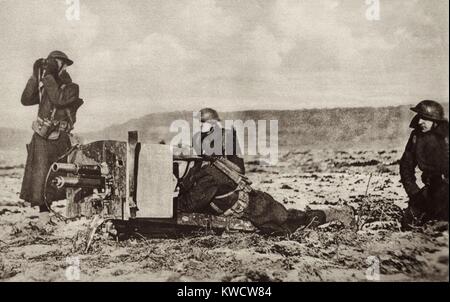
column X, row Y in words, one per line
column 14, row 138
column 341, row 128
column 314, row 128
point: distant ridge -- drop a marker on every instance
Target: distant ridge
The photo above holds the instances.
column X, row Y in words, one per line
column 309, row 128
column 14, row 138
column 343, row 128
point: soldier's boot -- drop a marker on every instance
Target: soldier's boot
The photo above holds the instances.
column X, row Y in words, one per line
column 44, row 218
column 310, row 218
column 44, row 223
column 412, row 217
column 407, row 220
column 314, row 218
column 345, row 214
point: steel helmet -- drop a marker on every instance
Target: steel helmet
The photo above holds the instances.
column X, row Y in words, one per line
column 56, row 54
column 430, row 110
column 208, row 114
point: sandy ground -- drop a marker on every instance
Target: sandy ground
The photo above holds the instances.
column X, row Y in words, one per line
column 304, row 178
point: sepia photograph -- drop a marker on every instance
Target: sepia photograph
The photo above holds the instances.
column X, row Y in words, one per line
column 240, row 142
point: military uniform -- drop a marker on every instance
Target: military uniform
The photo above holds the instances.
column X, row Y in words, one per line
column 58, row 103
column 203, row 182
column 429, row 151
column 206, row 189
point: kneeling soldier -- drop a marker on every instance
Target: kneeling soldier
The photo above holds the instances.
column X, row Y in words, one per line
column 427, row 149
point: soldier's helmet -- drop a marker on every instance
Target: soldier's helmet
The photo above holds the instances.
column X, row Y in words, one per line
column 56, row 54
column 430, row 110
column 208, row 114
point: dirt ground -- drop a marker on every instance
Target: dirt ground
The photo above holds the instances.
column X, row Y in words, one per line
column 304, row 178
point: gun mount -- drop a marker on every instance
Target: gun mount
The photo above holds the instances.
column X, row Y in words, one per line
column 134, row 186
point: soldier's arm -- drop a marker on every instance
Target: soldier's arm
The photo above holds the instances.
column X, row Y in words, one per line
column 30, row 95
column 232, row 150
column 60, row 97
column 203, row 192
column 408, row 165
column 238, row 153
column 446, row 157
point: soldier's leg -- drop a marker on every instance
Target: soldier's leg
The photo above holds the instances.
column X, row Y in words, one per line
column 198, row 196
column 265, row 212
column 416, row 212
column 439, row 201
column 271, row 216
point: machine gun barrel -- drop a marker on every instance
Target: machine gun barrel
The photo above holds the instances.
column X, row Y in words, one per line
column 90, row 170
column 79, row 182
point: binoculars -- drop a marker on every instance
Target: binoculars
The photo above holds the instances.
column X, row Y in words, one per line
column 44, row 66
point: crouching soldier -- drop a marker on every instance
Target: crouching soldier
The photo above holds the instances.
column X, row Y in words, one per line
column 51, row 88
column 219, row 186
column 427, row 149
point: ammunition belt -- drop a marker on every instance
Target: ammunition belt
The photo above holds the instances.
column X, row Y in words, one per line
column 237, row 209
column 50, row 129
column 61, row 125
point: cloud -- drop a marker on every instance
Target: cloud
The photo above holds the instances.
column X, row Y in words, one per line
column 162, row 53
column 44, row 24
column 313, row 34
column 263, row 50
column 204, row 20
column 169, row 55
column 200, row 23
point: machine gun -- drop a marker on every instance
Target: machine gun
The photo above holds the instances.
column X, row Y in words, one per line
column 89, row 176
column 95, row 180
column 133, row 186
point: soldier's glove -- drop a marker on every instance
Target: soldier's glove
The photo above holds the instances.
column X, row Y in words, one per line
column 51, row 67
column 38, row 65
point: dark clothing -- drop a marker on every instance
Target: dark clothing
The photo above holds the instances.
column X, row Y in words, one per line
column 43, row 208
column 201, row 185
column 430, row 203
column 62, row 95
column 206, row 189
column 267, row 214
column 204, row 182
column 58, row 93
column 430, row 152
column 230, row 146
column 41, row 154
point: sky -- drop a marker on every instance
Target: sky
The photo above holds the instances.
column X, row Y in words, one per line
column 135, row 57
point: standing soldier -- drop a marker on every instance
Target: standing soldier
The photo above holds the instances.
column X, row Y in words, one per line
column 50, row 87
column 428, row 149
